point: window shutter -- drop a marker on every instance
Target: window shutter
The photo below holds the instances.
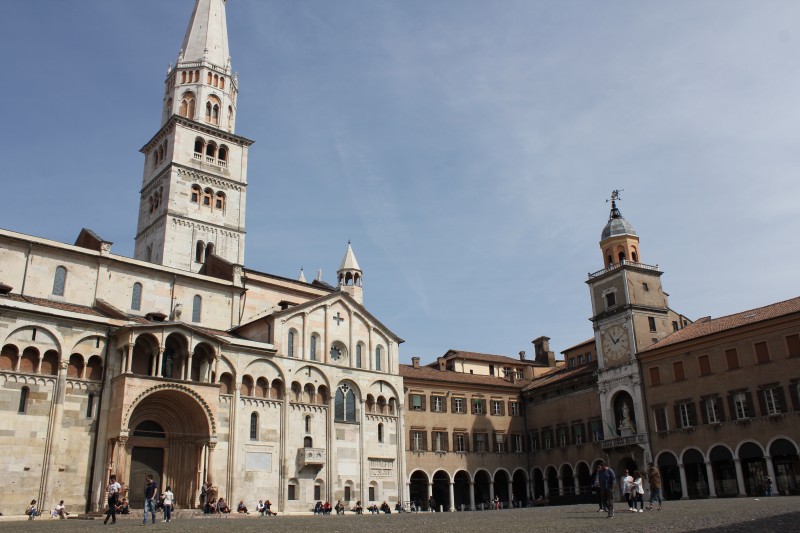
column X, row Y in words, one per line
column 444, row 404
column 453, row 404
column 411, row 441
column 692, row 413
column 704, row 406
column 502, row 408
column 762, row 402
column 424, row 440
column 751, row 409
column 677, row 408
column 424, row 397
column 475, row 441
column 782, row 406
column 445, row 442
column 795, row 394
column 721, row 405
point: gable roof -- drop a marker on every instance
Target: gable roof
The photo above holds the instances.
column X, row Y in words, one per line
column 53, row 304
column 428, row 373
column 487, row 357
column 561, row 374
column 708, row 326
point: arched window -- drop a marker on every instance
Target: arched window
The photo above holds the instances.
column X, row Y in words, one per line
column 359, row 347
column 290, row 344
column 197, row 192
column 207, row 194
column 222, row 82
column 219, row 202
column 215, row 114
column 148, row 253
column 345, row 404
column 308, row 424
column 136, row 297
column 209, row 249
column 208, row 111
column 196, row 76
column 216, row 80
column 378, row 354
column 59, row 281
column 183, row 77
column 380, row 432
column 209, row 78
column 211, row 150
column 187, row 106
column 253, row 426
column 223, row 154
column 197, row 308
column 23, row 400
column 313, row 350
column 90, row 406
column 198, row 145
column 308, row 442
column 621, row 256
column 212, row 110
column 200, row 251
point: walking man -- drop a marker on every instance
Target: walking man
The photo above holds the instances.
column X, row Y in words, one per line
column 150, row 492
column 113, row 490
column 654, row 478
column 607, row 481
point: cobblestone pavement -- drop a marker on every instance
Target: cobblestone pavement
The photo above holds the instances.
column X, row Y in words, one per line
column 779, row 514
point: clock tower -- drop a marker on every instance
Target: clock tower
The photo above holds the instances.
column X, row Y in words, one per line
column 630, row 312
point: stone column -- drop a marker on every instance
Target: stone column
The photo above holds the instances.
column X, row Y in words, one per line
column 739, row 476
column 211, row 445
column 560, row 485
column 471, row 495
column 326, row 348
column 491, row 490
column 188, row 368
column 215, row 375
column 712, row 488
column 452, row 497
column 510, row 494
column 306, row 351
column 577, row 485
column 159, row 362
column 53, row 439
column 128, row 358
column 771, row 472
column 684, row 487
column 430, row 489
column 39, row 371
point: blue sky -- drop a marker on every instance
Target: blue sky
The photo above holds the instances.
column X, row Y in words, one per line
column 465, row 147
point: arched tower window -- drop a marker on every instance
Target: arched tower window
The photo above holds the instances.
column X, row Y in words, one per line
column 136, row 297
column 209, row 78
column 219, row 201
column 253, row 426
column 308, row 424
column 198, row 145
column 187, row 106
column 207, row 194
column 199, row 252
column 223, row 153
column 359, row 348
column 59, row 281
column 23, row 400
column 222, row 82
column 197, row 308
column 621, row 257
column 380, row 432
column 197, row 192
column 290, row 344
column 313, row 348
column 211, row 151
column 209, row 249
column 378, row 357
column 230, row 118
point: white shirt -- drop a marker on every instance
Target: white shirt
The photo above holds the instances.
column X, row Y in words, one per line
column 627, row 481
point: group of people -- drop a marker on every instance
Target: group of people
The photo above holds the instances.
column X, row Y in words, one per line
column 632, row 488
column 264, row 508
column 153, row 501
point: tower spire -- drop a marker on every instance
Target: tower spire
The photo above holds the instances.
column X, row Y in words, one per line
column 350, row 275
column 207, row 35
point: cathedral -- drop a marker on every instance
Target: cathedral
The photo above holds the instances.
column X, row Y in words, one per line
column 181, row 362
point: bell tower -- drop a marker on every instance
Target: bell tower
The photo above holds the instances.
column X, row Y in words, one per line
column 350, row 276
column 192, row 200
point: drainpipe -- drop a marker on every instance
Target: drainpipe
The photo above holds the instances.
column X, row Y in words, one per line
column 25, row 272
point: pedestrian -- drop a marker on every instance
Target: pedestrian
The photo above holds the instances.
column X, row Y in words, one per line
column 767, row 486
column 204, row 495
column 654, row 479
column 59, row 512
column 595, row 488
column 150, row 493
column 431, row 505
column 607, row 481
column 637, row 491
column 32, row 512
column 626, row 484
column 168, row 497
column 112, row 491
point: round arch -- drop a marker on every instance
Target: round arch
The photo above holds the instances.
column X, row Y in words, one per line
column 418, row 487
column 441, row 490
column 667, row 463
column 724, row 470
column 461, row 489
column 482, row 482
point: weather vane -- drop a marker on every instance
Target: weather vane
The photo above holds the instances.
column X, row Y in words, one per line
column 615, row 195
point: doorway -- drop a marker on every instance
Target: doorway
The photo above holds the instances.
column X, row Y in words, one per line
column 144, row 461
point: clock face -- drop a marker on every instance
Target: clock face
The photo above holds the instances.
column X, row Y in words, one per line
column 615, row 344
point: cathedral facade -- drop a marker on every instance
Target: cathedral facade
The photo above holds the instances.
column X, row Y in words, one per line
column 181, row 362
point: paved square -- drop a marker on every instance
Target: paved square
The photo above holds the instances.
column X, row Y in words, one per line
column 741, row 514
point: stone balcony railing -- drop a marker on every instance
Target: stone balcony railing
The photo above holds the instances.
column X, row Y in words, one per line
column 311, row 457
column 619, row 442
column 622, row 263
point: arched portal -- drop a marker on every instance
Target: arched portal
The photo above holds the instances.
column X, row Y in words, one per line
column 786, row 464
column 418, row 488
column 441, row 490
column 696, row 474
column 753, row 468
column 670, row 476
column 584, row 479
column 538, row 484
column 461, row 490
column 552, row 482
column 501, row 487
column 520, row 486
column 724, row 471
column 168, row 434
column 567, row 480
column 482, row 482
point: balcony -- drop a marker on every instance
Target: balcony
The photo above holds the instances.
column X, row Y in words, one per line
column 620, row 442
column 311, row 457
column 621, row 264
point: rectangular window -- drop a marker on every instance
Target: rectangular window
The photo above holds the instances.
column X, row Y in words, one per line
column 500, row 442
column 497, row 408
column 651, row 321
column 346, row 493
column 480, row 442
column 740, row 404
column 562, row 437
column 580, row 360
column 317, row 492
column 534, row 441
column 440, row 441
column 646, row 288
column 685, row 411
column 577, row 431
column 292, row 492
column 588, row 358
column 477, row 406
column 418, row 441
column 416, row 402
column 596, row 429
column 438, row 404
column 704, row 365
column 772, row 402
column 762, row 353
column 611, row 299
column 548, row 440
column 90, row 406
column 793, row 345
column 461, row 443
column 677, row 371
column 571, row 362
column 732, row 359
column 675, row 325
column 655, row 376
column 513, row 408
column 660, row 418
column 371, row 494
column 712, row 407
column 458, row 405
column 518, row 445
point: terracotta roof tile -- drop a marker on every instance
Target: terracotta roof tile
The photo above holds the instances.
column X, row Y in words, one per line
column 561, row 374
column 459, row 354
column 433, row 374
column 708, row 326
column 584, row 343
column 63, row 306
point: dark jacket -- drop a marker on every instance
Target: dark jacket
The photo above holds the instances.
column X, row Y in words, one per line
column 607, row 479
